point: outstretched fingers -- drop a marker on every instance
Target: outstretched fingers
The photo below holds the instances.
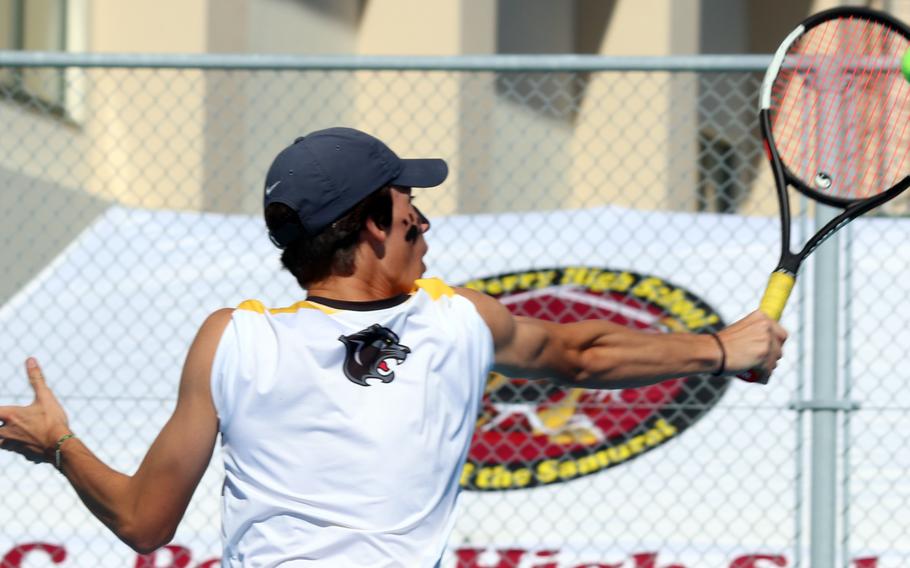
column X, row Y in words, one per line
column 32, row 429
column 35, row 375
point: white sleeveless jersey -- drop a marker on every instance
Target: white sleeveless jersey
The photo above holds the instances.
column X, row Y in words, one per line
column 344, row 430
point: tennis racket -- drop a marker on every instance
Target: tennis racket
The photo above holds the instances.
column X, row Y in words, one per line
column 834, row 110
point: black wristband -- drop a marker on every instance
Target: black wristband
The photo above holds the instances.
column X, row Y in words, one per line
column 723, row 357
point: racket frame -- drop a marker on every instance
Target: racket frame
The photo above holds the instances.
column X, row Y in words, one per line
column 790, row 261
column 783, row 278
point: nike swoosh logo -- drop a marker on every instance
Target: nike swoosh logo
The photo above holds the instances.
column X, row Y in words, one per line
column 271, row 188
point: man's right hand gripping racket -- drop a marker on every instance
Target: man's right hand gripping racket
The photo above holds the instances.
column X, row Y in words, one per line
column 835, row 118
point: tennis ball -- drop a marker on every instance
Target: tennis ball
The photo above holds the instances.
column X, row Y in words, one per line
column 905, row 64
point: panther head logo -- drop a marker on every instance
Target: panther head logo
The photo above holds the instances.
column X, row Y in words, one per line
column 372, row 353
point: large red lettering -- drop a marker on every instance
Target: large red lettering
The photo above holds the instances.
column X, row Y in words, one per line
column 543, row 554
column 181, row 557
column 649, row 560
column 758, row 561
column 470, row 558
column 13, row 558
column 510, row 558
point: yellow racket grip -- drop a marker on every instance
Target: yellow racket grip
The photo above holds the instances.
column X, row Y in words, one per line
column 775, row 298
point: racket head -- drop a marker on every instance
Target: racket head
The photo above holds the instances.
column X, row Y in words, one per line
column 835, row 106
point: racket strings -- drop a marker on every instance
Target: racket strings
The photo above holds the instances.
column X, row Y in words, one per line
column 855, row 116
column 874, row 119
column 822, row 89
column 836, row 147
column 791, row 120
column 840, row 108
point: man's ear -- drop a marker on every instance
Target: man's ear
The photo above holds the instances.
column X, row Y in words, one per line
column 374, row 231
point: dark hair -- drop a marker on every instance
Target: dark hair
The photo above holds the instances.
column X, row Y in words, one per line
column 331, row 251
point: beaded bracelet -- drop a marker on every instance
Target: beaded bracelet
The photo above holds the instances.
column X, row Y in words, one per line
column 58, row 452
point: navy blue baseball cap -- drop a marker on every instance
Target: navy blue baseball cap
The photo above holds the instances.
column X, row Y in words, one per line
column 322, row 175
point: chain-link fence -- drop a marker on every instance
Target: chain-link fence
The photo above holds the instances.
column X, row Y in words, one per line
column 627, row 189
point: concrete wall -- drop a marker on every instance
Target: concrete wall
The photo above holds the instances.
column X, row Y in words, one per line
column 603, row 144
column 480, row 127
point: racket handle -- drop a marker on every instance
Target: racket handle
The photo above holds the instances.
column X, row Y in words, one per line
column 772, row 304
column 776, row 294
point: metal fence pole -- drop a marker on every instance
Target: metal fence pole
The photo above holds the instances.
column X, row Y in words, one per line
column 823, row 477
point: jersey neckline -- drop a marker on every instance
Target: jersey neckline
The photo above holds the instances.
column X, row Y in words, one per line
column 359, row 306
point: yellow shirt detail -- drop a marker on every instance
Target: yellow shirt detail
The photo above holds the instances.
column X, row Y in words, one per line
column 258, row 307
column 252, row 305
column 435, row 287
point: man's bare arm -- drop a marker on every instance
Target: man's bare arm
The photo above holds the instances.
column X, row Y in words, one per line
column 601, row 354
column 144, row 509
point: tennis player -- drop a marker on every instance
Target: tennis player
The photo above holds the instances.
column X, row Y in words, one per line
column 346, row 418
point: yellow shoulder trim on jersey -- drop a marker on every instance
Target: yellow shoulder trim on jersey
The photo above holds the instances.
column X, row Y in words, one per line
column 435, row 287
column 304, row 305
column 258, row 307
column 252, row 305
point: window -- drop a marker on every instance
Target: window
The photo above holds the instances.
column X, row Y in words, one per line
column 33, row 25
column 544, row 26
column 718, row 189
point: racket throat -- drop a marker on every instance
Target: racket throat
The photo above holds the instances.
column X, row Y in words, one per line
column 789, row 264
